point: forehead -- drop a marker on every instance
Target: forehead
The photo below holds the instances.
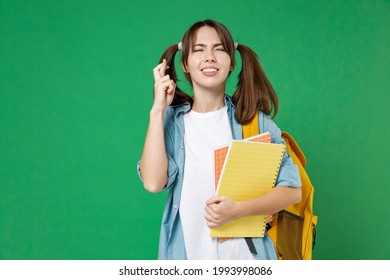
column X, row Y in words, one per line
column 206, row 35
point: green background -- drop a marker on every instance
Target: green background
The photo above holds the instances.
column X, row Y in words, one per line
column 75, row 92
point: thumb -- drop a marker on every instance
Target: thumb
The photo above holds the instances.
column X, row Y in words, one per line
column 215, row 200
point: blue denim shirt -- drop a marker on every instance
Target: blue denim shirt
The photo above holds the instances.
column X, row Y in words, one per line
column 171, row 244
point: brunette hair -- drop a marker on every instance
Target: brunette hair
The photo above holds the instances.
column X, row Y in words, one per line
column 254, row 91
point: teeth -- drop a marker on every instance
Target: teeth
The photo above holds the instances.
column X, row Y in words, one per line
column 209, row 70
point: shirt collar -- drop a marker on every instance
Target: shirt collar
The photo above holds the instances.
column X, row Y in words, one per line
column 185, row 107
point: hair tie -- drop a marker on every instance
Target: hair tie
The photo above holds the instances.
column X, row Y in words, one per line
column 235, row 45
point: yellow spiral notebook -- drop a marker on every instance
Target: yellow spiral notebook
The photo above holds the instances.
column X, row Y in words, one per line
column 249, row 170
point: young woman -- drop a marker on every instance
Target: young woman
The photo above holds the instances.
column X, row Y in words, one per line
column 183, row 133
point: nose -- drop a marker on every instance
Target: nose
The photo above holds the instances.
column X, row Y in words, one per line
column 210, row 57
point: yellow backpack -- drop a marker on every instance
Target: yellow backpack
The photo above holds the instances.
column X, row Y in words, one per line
column 293, row 229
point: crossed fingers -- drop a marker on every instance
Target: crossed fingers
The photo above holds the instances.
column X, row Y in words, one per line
column 162, row 80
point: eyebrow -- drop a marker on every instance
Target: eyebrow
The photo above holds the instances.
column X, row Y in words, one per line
column 204, row 45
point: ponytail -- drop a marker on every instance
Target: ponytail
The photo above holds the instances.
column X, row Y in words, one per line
column 254, row 91
column 179, row 97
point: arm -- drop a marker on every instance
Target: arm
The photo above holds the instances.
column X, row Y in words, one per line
column 154, row 161
column 221, row 210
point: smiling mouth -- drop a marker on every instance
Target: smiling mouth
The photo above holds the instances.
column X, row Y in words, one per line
column 209, row 70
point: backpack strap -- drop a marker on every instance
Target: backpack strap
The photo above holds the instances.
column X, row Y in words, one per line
column 251, row 128
column 251, row 246
column 294, row 146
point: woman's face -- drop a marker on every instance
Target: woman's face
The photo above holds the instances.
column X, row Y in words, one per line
column 208, row 63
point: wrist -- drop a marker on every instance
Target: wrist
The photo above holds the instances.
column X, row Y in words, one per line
column 240, row 210
column 157, row 112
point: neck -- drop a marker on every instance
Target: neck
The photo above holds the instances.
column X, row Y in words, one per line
column 206, row 100
column 206, row 103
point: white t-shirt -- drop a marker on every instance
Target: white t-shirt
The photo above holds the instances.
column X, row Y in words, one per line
column 203, row 133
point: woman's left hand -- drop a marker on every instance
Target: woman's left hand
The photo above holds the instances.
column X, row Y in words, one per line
column 220, row 210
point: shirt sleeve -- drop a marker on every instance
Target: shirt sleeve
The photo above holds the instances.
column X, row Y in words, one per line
column 288, row 174
column 170, row 148
column 172, row 172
